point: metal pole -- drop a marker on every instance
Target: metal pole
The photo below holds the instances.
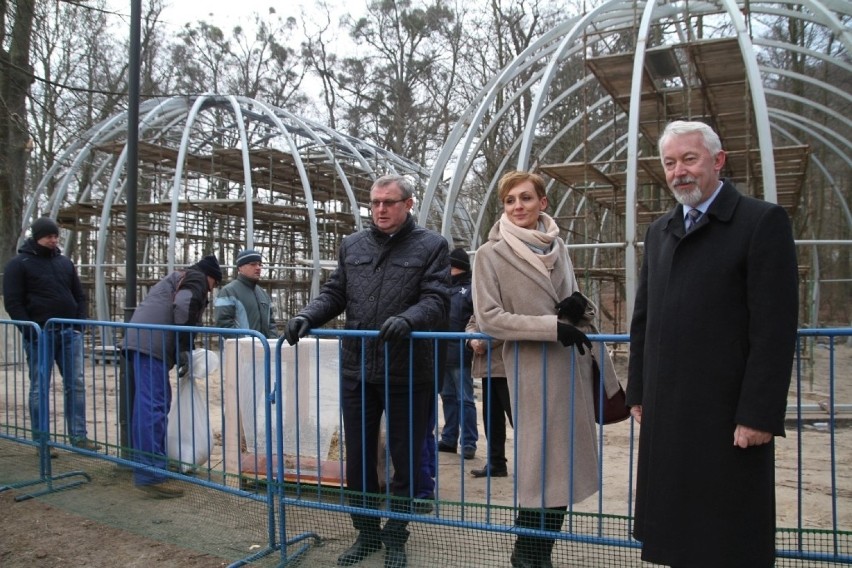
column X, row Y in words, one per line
column 126, row 377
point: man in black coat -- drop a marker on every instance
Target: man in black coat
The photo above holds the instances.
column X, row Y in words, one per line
column 711, row 353
column 39, row 284
column 393, row 276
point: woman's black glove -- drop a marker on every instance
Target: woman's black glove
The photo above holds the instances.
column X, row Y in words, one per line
column 572, row 308
column 570, row 335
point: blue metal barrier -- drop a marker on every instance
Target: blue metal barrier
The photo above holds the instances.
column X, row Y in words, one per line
column 282, row 438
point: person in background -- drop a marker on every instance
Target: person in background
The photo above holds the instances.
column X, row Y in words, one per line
column 41, row 283
column 711, row 355
column 457, row 392
column 394, row 277
column 178, row 299
column 242, row 304
column 525, row 294
column 488, row 366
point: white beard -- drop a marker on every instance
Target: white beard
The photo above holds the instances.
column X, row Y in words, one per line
column 692, row 197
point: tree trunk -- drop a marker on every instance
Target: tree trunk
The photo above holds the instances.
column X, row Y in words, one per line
column 15, row 143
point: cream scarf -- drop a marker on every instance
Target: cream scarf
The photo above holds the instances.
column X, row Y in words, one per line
column 520, row 240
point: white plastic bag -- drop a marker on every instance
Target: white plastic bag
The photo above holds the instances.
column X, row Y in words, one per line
column 188, row 435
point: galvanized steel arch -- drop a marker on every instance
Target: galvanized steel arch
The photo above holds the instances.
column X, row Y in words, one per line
column 182, row 114
column 544, row 57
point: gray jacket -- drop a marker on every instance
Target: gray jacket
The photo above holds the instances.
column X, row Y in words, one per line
column 178, row 299
column 242, row 304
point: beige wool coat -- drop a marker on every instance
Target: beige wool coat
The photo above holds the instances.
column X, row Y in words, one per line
column 555, row 429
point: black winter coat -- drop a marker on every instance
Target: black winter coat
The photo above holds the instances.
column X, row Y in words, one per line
column 461, row 308
column 711, row 346
column 379, row 276
column 40, row 283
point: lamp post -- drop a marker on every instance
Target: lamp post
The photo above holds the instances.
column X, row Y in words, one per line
column 132, row 172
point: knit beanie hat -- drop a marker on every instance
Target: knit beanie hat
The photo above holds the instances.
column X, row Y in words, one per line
column 44, row 226
column 247, row 256
column 210, row 267
column 460, row 259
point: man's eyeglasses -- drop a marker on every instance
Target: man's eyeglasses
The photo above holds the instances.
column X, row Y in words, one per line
column 376, row 203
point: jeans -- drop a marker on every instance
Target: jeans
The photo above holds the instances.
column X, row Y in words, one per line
column 151, row 403
column 428, row 461
column 64, row 347
column 458, row 404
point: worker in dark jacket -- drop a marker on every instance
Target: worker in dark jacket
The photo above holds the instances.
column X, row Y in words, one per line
column 178, row 299
column 457, row 392
column 242, row 304
column 39, row 284
column 393, row 277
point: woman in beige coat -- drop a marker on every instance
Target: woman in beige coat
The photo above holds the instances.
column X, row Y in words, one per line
column 525, row 294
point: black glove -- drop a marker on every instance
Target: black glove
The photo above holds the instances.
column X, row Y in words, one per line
column 570, row 335
column 183, row 364
column 572, row 308
column 394, row 329
column 297, row 327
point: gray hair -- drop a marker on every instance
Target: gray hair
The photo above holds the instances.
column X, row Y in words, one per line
column 403, row 182
column 681, row 127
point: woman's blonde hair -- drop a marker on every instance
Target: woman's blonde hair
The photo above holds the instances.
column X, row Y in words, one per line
column 512, row 179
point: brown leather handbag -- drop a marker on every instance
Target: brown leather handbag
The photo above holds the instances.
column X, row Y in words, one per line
column 614, row 408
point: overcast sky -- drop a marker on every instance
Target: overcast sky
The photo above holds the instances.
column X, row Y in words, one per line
column 222, row 13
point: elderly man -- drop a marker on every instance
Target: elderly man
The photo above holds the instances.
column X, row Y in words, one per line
column 393, row 276
column 711, row 353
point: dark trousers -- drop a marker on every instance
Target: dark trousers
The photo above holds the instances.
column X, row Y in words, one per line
column 406, row 411
column 495, row 407
column 535, row 550
column 428, row 461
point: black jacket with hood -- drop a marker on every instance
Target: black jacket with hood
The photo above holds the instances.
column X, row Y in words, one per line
column 40, row 283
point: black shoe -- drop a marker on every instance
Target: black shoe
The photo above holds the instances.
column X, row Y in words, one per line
column 422, row 506
column 85, row 444
column 469, row 453
column 493, row 471
column 162, row 490
column 364, row 546
column 395, row 557
column 442, row 447
column 519, row 561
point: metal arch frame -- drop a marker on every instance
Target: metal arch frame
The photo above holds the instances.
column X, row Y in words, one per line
column 459, row 146
column 805, row 79
column 547, row 78
column 815, row 263
column 830, row 113
column 813, row 128
column 462, row 135
column 164, row 115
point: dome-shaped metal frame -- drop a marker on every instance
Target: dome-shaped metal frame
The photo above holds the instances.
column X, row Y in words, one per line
column 217, row 173
column 644, row 64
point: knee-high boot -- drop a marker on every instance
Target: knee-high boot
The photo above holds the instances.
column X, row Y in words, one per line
column 535, row 552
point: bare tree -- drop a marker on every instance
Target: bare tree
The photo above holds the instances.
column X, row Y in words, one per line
column 15, row 141
column 387, row 100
